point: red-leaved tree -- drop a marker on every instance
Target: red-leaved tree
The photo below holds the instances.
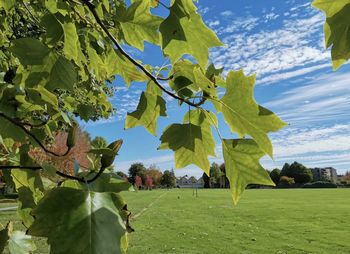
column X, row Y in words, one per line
column 138, row 181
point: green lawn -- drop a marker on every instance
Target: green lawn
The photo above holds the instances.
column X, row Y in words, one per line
column 265, row 221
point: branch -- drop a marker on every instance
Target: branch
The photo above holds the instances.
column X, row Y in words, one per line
column 32, row 136
column 92, row 9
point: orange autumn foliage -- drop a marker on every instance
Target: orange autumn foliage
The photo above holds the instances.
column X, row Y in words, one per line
column 65, row 164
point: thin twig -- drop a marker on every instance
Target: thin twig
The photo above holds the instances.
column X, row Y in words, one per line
column 91, row 7
column 33, row 136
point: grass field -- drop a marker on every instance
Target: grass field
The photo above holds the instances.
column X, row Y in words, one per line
column 265, row 221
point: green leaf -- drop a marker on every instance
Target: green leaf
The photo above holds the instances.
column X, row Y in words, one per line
column 71, row 41
column 183, row 78
column 49, row 169
column 184, row 32
column 107, row 182
column 139, row 25
column 3, row 239
column 201, row 117
column 150, row 107
column 10, row 130
column 30, row 190
column 20, row 243
column 47, row 96
column 242, row 165
column 54, row 30
column 62, row 76
column 79, row 221
column 192, row 144
column 120, row 65
column 244, row 115
column 336, row 28
column 29, row 51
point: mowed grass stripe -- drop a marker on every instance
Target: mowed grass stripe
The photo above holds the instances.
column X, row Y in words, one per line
column 265, row 221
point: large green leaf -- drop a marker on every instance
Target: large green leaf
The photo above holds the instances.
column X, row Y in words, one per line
column 184, row 32
column 242, row 165
column 192, row 144
column 139, row 25
column 29, row 51
column 244, row 115
column 336, row 28
column 150, row 107
column 79, row 221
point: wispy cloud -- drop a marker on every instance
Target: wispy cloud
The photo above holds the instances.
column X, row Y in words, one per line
column 292, row 47
column 323, row 99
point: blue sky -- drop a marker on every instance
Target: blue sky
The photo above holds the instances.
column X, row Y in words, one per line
column 282, row 42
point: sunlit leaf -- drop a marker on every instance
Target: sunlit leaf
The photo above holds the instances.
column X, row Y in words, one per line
column 150, row 107
column 336, row 28
column 184, row 32
column 242, row 165
column 244, row 115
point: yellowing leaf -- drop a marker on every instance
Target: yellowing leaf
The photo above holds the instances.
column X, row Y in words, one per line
column 244, row 115
column 184, row 32
column 192, row 144
column 139, row 25
column 242, row 165
column 150, row 107
column 71, row 41
column 336, row 28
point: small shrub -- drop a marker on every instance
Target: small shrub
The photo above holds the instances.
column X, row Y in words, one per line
column 286, row 181
column 320, row 184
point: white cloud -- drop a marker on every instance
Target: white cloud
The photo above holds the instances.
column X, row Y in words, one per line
column 226, row 13
column 292, row 49
column 214, row 23
column 323, row 99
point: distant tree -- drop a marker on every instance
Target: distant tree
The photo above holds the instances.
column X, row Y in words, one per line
column 122, row 174
column 215, row 174
column 154, row 172
column 275, row 175
column 347, row 176
column 192, row 179
column 149, row 182
column 78, row 155
column 137, row 169
column 138, row 181
column 299, row 172
column 206, row 180
column 286, row 181
column 224, row 182
column 169, row 179
column 99, row 142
